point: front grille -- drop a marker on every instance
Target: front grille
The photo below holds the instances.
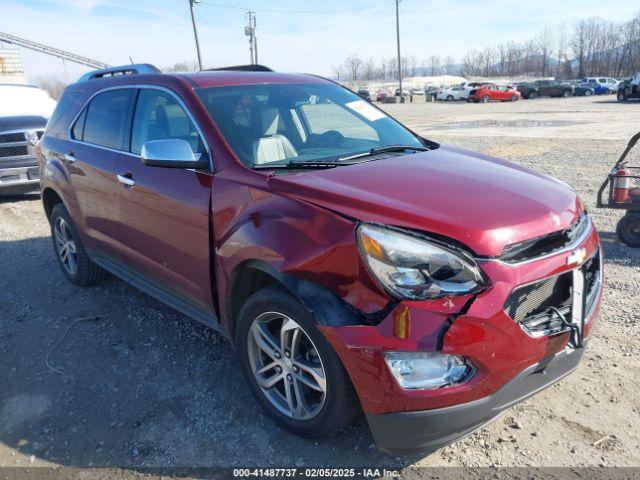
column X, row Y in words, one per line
column 14, row 151
column 14, row 144
column 547, row 244
column 537, row 297
column 539, row 307
column 591, row 270
column 12, row 137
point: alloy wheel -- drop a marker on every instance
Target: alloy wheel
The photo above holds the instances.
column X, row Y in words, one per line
column 65, row 246
column 287, row 366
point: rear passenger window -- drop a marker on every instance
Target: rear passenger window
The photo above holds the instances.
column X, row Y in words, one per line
column 106, row 118
column 160, row 116
column 78, row 128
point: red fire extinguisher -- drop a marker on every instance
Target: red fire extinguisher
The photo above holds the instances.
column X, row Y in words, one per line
column 621, row 184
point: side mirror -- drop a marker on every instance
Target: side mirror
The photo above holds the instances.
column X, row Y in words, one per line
column 171, row 153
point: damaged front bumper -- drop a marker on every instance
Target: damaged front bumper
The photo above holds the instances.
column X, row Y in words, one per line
column 511, row 363
column 404, row 433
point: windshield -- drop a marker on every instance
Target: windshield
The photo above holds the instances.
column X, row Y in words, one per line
column 291, row 123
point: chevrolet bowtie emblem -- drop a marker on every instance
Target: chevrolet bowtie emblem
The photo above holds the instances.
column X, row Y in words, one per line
column 577, row 257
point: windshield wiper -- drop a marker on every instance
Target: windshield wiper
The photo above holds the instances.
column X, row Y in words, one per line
column 302, row 165
column 384, row 149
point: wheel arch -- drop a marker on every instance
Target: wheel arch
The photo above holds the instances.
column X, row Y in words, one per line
column 327, row 308
column 50, row 198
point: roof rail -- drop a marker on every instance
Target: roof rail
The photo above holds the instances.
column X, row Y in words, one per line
column 243, row 68
column 121, row 70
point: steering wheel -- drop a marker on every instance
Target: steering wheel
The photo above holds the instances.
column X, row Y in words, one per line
column 332, row 138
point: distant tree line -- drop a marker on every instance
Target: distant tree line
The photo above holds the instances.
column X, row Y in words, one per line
column 591, row 47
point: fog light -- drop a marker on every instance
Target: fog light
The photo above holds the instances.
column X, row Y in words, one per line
column 413, row 370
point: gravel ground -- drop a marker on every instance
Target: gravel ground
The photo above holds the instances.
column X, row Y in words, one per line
column 106, row 376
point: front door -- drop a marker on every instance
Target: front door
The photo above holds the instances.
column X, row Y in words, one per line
column 163, row 213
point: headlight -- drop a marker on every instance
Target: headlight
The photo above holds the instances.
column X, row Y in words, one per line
column 416, row 269
column 413, row 370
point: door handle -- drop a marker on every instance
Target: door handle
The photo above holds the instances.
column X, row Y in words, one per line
column 70, row 157
column 126, row 180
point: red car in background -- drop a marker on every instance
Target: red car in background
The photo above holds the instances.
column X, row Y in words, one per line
column 487, row 93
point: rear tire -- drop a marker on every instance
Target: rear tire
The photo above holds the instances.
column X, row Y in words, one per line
column 566, row 93
column 628, row 229
column 450, row 98
column 588, row 93
column 514, row 98
column 70, row 251
column 269, row 310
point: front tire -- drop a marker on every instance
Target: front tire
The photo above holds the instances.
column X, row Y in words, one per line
column 291, row 368
column 450, row 98
column 533, row 95
column 485, row 99
column 566, row 93
column 70, row 251
column 588, row 93
column 628, row 229
column 514, row 98
column 622, row 95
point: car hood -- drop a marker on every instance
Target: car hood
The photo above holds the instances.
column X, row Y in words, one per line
column 483, row 202
column 22, row 122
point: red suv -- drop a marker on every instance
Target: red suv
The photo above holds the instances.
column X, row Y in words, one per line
column 354, row 265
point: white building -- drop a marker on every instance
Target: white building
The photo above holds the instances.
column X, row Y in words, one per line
column 11, row 70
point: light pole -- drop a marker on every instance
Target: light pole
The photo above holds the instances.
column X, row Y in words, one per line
column 398, row 42
column 195, row 33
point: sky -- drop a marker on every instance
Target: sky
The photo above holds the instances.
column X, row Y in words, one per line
column 160, row 31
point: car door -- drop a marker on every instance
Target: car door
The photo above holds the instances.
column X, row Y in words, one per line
column 163, row 213
column 96, row 140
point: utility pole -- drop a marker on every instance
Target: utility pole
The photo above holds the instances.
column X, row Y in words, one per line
column 195, row 33
column 398, row 42
column 250, row 31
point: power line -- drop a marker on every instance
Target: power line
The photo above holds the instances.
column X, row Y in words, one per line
column 298, row 12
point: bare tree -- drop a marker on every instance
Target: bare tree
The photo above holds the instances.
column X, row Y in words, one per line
column 353, row 65
column 592, row 46
column 434, row 65
column 52, row 85
column 185, row 66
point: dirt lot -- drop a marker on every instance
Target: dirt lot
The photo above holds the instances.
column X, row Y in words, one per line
column 137, row 384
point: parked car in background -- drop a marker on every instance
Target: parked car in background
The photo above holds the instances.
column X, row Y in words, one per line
column 24, row 111
column 405, row 93
column 610, row 83
column 354, row 265
column 383, row 93
column 487, row 93
column 597, row 88
column 580, row 89
column 431, row 91
column 629, row 88
column 364, row 93
column 450, row 93
column 469, row 86
column 545, row 88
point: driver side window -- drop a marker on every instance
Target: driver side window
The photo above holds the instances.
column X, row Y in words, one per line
column 159, row 116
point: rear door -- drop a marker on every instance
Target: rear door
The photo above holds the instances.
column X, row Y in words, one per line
column 163, row 213
column 97, row 137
